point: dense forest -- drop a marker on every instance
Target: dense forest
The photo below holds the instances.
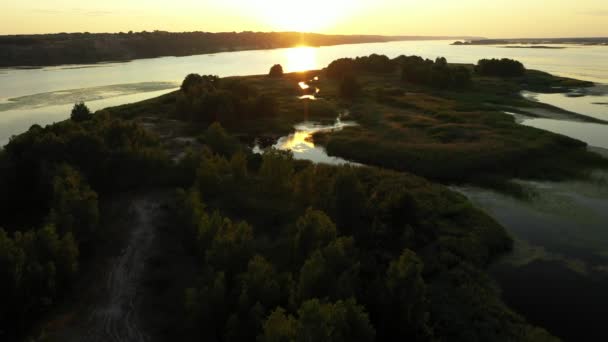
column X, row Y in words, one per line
column 51, row 179
column 84, row 48
column 282, row 255
column 282, row 249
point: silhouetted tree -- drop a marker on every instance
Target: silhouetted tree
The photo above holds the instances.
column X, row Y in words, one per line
column 80, row 112
column 500, row 67
column 276, row 71
column 340, row 68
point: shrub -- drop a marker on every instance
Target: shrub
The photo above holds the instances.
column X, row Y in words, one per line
column 276, row 71
column 500, row 67
column 80, row 112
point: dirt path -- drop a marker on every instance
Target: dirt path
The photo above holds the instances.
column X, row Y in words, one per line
column 115, row 317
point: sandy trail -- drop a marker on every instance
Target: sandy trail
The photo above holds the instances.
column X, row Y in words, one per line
column 115, row 318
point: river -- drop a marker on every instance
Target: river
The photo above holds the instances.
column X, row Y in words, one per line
column 43, row 96
column 558, row 274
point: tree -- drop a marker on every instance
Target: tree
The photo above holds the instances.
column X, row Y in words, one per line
column 349, row 87
column 238, row 165
column 407, row 292
column 276, row 71
column 220, row 141
column 196, row 85
column 461, row 77
column 314, row 230
column 441, row 62
column 81, row 112
column 279, row 327
column 206, row 305
column 231, row 248
column 500, row 67
column 190, row 82
column 340, row 68
column 75, row 207
column 260, row 282
column 349, row 200
column 265, row 106
column 343, row 321
column 277, row 170
column 211, row 174
column 330, row 273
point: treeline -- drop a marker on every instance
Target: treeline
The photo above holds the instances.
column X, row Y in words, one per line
column 413, row 69
column 51, row 180
column 327, row 253
column 500, row 67
column 434, row 73
column 535, row 41
column 207, row 99
column 80, row 48
column 417, row 70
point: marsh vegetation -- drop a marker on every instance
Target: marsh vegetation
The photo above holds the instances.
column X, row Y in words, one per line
column 285, row 249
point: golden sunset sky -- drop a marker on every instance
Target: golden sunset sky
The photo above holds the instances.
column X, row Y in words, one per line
column 490, row 18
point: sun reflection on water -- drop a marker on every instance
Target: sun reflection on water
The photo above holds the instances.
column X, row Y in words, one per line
column 301, row 59
column 300, row 141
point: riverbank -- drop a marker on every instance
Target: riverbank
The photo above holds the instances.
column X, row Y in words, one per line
column 34, row 51
column 599, row 41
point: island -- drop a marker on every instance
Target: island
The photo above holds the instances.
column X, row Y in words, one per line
column 236, row 243
column 536, row 41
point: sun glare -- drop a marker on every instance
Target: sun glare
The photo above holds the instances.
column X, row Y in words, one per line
column 303, row 16
column 298, row 142
column 301, row 59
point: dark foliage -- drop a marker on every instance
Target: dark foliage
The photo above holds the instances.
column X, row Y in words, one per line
column 349, row 87
column 340, row 68
column 436, row 74
column 284, row 250
column 500, row 67
column 293, row 273
column 205, row 99
column 50, row 178
column 80, row 112
column 276, row 71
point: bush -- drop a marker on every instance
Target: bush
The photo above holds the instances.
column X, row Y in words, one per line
column 276, row 71
column 500, row 67
column 196, row 85
column 437, row 74
column 339, row 68
column 80, row 112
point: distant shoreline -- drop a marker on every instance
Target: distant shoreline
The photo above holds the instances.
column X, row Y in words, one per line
column 37, row 51
column 537, row 42
column 534, row 47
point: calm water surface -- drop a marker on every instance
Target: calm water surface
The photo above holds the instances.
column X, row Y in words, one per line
column 300, row 142
column 557, row 275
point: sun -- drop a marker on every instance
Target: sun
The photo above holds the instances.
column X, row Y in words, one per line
column 301, row 59
column 303, row 16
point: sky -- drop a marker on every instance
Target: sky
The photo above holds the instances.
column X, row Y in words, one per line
column 488, row 18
